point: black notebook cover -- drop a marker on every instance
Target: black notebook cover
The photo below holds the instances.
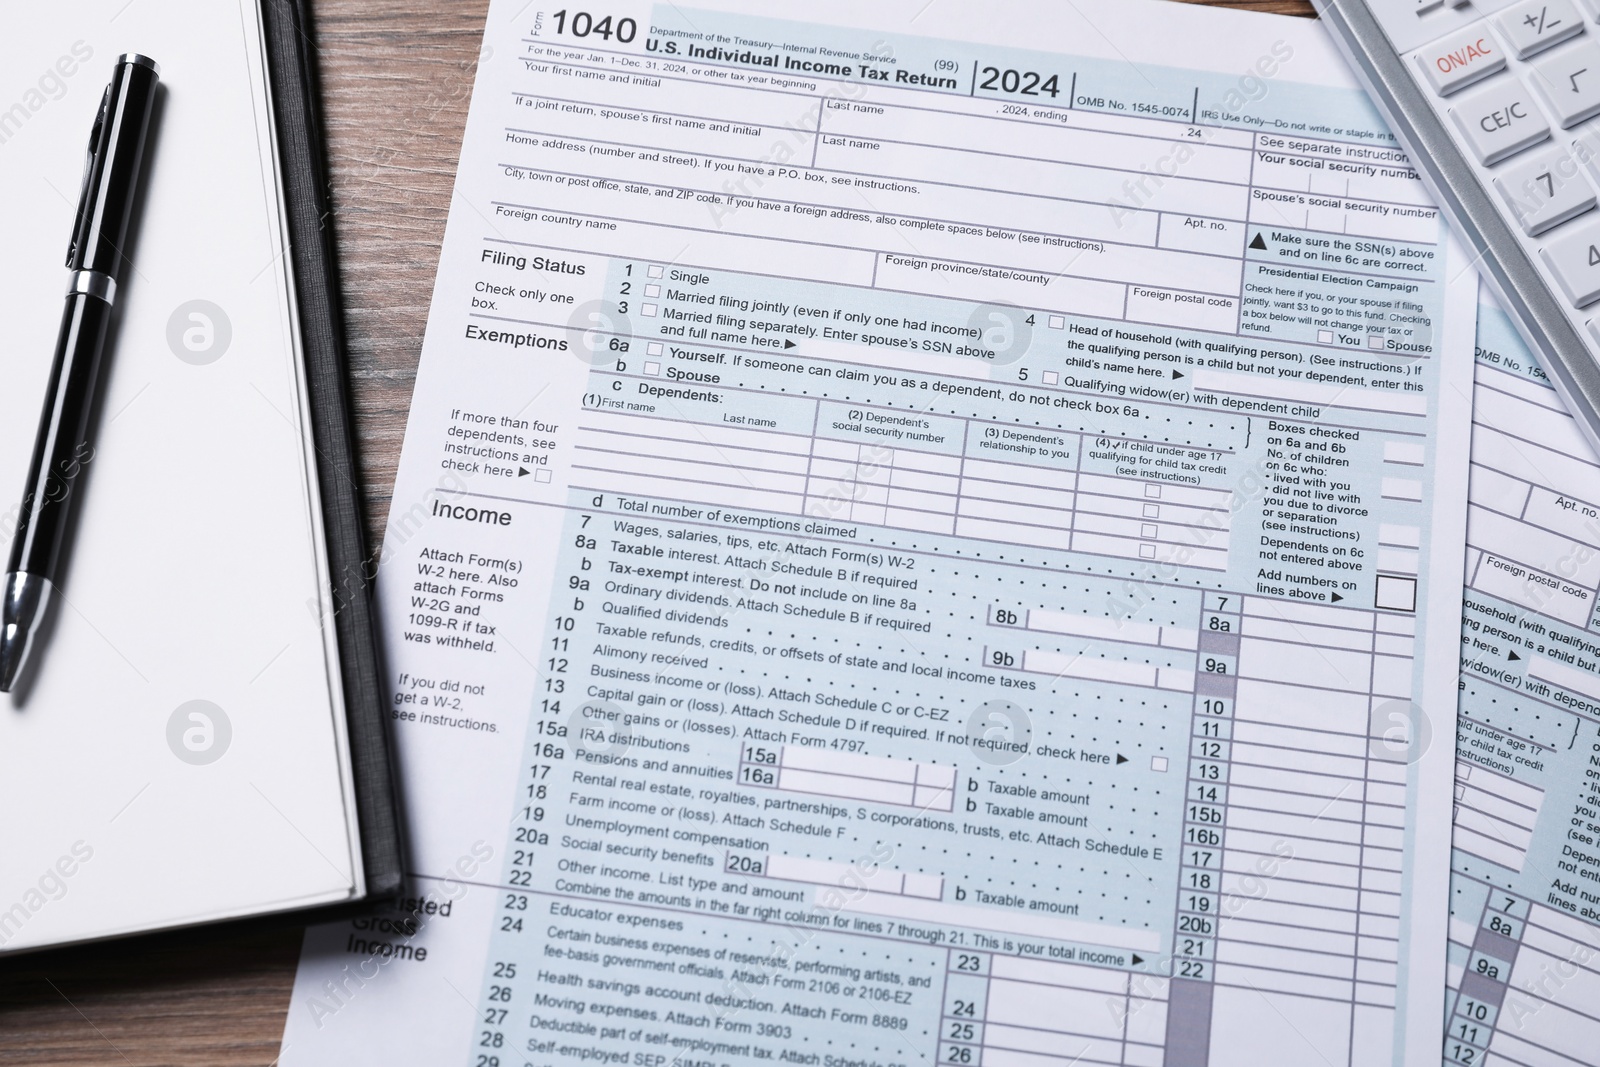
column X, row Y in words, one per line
column 291, row 67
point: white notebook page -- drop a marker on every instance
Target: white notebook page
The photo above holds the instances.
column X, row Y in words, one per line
column 197, row 572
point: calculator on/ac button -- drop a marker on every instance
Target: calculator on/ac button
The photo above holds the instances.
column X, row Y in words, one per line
column 1498, row 104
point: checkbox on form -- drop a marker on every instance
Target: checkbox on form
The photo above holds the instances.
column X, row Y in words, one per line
column 1396, row 593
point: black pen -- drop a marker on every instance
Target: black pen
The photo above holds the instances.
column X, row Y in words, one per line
column 105, row 208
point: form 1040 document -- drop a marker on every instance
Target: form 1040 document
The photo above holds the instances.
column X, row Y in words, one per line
column 930, row 534
column 1524, row 962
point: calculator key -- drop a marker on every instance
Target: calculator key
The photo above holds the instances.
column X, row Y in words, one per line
column 1500, row 121
column 1426, row 6
column 1569, row 81
column 1574, row 258
column 1534, row 25
column 1461, row 59
column 1545, row 190
column 1586, row 150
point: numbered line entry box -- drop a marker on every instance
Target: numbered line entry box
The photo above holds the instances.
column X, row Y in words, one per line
column 1396, row 593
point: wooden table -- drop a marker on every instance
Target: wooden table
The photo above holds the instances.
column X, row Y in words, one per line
column 396, row 78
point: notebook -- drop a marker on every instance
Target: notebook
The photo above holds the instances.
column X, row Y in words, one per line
column 200, row 736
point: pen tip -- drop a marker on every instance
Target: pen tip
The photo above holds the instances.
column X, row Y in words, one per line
column 22, row 604
column 13, row 646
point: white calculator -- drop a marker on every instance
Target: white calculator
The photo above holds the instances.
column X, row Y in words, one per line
column 1498, row 103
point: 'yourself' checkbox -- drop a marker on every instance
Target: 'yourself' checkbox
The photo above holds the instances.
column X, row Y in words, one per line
column 653, row 348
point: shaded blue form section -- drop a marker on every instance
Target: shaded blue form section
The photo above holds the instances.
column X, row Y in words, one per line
column 1525, row 895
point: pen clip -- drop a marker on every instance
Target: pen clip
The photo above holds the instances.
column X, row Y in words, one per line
column 78, row 225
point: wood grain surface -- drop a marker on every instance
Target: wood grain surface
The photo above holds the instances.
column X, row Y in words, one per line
column 396, row 78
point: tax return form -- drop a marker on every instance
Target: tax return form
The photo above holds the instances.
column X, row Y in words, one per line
column 913, row 547
column 1525, row 890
